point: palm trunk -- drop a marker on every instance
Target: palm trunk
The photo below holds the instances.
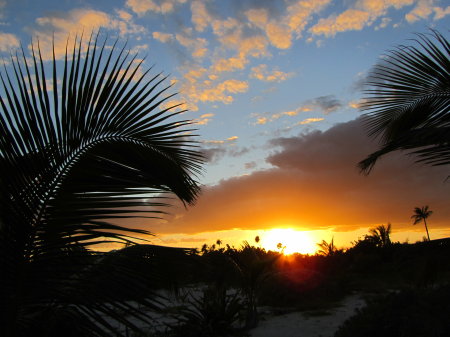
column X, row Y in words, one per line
column 426, row 227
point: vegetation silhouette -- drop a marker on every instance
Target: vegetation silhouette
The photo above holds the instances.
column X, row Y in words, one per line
column 79, row 151
column 422, row 214
column 327, row 248
column 381, row 235
column 408, row 101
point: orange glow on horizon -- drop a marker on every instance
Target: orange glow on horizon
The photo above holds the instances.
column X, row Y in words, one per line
column 292, row 241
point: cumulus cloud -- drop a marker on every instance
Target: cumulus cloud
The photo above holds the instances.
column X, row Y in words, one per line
column 440, row 13
column 200, row 15
column 162, row 37
column 209, row 91
column 61, row 25
column 365, row 13
column 424, row 9
column 8, row 42
column 263, row 74
column 314, row 184
column 141, row 7
column 351, row 19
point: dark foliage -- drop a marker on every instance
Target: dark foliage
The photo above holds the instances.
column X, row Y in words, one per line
column 77, row 157
column 409, row 313
column 408, row 102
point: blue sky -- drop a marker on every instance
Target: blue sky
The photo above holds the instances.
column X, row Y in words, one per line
column 256, row 75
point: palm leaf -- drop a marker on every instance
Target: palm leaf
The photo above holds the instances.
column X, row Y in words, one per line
column 408, row 102
column 75, row 159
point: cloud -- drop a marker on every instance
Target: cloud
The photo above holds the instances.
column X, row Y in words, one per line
column 247, row 32
column 228, row 140
column 201, row 17
column 8, row 42
column 323, row 104
column 299, row 14
column 424, row 9
column 440, row 13
column 250, row 165
column 214, row 150
column 213, row 155
column 197, row 46
column 204, row 119
column 326, row 104
column 279, row 35
column 208, row 91
column 314, row 184
column 351, row 19
column 310, row 120
column 365, row 13
column 141, row 7
column 63, row 25
column 261, row 73
column 162, row 37
column 384, row 23
column 262, row 120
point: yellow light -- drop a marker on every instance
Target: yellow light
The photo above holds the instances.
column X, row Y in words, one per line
column 294, row 241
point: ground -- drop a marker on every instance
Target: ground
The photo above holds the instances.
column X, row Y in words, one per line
column 323, row 323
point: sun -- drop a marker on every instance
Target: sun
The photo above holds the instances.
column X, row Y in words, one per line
column 292, row 241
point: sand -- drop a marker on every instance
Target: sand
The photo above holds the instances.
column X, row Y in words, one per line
column 307, row 324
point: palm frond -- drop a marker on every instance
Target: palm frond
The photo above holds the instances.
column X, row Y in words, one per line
column 408, row 102
column 78, row 151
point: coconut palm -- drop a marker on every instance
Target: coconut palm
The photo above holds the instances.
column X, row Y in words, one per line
column 422, row 214
column 408, row 102
column 82, row 150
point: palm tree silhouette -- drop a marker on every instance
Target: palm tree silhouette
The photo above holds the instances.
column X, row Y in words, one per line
column 79, row 152
column 421, row 214
column 327, row 249
column 408, row 102
column 381, row 235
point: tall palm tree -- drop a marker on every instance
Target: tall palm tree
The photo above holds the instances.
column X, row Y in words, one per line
column 408, row 102
column 422, row 214
column 81, row 151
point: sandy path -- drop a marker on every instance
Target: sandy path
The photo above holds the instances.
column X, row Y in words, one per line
column 298, row 324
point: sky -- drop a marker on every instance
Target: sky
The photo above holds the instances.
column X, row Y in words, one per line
column 273, row 87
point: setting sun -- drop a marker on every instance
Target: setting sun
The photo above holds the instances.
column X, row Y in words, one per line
column 291, row 240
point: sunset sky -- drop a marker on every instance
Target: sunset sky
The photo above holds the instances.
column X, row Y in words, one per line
column 273, row 86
